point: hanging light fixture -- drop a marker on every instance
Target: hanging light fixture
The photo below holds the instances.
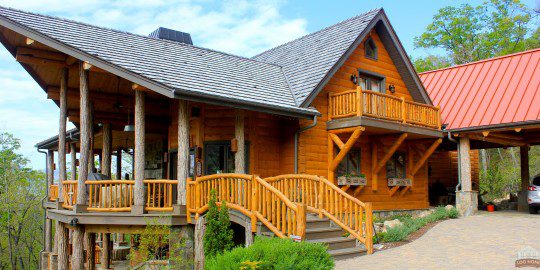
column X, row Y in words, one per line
column 128, row 127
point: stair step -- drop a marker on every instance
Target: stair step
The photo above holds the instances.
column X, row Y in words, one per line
column 325, row 232
column 336, row 242
column 347, row 253
column 316, row 222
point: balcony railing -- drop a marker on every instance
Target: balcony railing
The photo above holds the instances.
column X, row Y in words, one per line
column 117, row 195
column 53, row 192
column 383, row 106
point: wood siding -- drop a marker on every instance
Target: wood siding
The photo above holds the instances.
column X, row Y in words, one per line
column 443, row 168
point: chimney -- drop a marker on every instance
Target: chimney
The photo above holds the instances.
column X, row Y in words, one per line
column 169, row 34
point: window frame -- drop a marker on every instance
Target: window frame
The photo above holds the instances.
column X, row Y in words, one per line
column 345, row 159
column 374, row 75
column 369, row 41
column 394, row 160
column 228, row 150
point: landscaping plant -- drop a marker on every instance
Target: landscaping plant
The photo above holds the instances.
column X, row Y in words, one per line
column 274, row 253
column 219, row 235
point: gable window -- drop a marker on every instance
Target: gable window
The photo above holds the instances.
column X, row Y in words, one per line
column 370, row 49
column 350, row 165
column 395, row 167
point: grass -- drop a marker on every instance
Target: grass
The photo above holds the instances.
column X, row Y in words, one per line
column 410, row 224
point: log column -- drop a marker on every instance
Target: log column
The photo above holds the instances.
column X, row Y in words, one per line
column 106, row 150
column 466, row 199
column 240, row 155
column 62, row 174
column 90, row 243
column 73, row 154
column 119, row 164
column 139, row 196
column 525, row 178
column 183, row 150
column 105, row 251
column 77, row 257
column 50, row 180
column 63, row 239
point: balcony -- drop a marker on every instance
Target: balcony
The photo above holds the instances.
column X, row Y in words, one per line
column 359, row 103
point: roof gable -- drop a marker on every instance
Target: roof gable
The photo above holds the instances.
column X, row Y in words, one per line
column 310, row 61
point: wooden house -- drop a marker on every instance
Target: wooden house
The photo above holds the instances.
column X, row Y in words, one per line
column 336, row 124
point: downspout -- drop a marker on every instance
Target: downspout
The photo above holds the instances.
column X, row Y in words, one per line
column 296, row 134
column 43, row 202
column 458, row 186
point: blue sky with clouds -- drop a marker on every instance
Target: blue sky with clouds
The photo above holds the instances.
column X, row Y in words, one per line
column 239, row 27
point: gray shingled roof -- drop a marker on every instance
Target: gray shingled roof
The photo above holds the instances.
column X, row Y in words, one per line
column 308, row 59
column 177, row 67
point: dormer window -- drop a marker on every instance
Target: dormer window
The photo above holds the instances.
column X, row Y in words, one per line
column 370, row 49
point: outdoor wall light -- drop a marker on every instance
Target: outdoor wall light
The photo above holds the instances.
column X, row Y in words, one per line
column 392, row 88
column 129, row 128
column 354, row 79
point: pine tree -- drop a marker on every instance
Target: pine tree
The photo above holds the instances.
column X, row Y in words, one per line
column 218, row 236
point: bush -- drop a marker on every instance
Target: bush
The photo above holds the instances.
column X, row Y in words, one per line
column 410, row 224
column 274, row 253
column 219, row 235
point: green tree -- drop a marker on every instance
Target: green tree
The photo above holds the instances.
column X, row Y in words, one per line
column 21, row 215
column 218, row 236
column 430, row 62
column 470, row 33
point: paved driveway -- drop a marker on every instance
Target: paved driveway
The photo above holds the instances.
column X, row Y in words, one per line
column 484, row 241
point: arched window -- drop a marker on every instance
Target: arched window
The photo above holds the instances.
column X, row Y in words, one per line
column 370, row 49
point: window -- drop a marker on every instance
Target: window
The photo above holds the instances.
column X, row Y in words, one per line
column 395, row 167
column 371, row 83
column 370, row 49
column 218, row 157
column 350, row 165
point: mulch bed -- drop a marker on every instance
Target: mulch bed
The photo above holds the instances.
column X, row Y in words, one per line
column 413, row 236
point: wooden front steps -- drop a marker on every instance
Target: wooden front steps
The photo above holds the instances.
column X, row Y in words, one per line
column 321, row 230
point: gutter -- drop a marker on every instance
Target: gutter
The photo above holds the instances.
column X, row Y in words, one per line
column 458, row 186
column 296, row 135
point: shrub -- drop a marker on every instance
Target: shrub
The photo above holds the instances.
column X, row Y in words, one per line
column 274, row 253
column 410, row 224
column 219, row 235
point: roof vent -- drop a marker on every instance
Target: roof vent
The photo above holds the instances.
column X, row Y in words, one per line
column 169, row 34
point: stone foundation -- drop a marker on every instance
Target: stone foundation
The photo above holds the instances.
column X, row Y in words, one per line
column 467, row 203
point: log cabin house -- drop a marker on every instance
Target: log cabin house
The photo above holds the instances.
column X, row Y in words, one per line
column 326, row 128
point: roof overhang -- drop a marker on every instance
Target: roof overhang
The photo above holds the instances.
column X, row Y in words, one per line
column 504, row 126
column 147, row 83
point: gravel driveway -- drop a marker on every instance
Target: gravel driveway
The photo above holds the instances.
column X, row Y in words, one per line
column 484, row 241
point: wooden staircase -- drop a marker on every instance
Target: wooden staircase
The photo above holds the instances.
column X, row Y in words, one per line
column 340, row 246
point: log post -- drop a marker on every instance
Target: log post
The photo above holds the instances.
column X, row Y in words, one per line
column 105, row 251
column 63, row 239
column 200, row 229
column 48, row 235
column 525, row 178
column 77, row 257
column 91, row 156
column 106, row 149
column 73, row 169
column 62, row 174
column 139, row 196
column 301, row 221
column 50, row 169
column 119, row 164
column 48, row 222
column 183, row 150
column 240, row 155
column 90, row 243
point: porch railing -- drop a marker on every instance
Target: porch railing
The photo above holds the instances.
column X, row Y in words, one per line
column 374, row 104
column 53, row 192
column 326, row 199
column 69, row 193
column 251, row 196
column 159, row 195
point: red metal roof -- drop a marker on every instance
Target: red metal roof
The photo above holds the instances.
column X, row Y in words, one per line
column 494, row 91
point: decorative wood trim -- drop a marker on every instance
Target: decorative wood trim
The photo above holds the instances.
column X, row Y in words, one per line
column 425, row 156
column 393, row 190
column 337, row 140
column 348, row 145
column 390, row 152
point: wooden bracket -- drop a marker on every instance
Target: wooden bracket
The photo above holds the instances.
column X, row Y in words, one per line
column 358, row 190
column 393, row 190
column 424, row 157
column 377, row 165
column 333, row 162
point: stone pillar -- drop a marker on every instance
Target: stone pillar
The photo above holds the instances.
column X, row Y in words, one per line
column 466, row 199
column 183, row 150
column 181, row 243
column 525, row 178
column 62, row 173
column 63, row 239
column 200, row 229
column 106, row 150
column 105, row 251
column 240, row 155
column 139, row 196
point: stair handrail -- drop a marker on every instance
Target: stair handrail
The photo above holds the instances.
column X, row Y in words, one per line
column 348, row 213
column 257, row 199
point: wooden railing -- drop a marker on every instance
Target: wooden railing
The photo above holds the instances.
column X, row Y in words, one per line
column 69, row 193
column 384, row 106
column 251, row 196
column 110, row 195
column 326, row 199
column 53, row 192
column 159, row 195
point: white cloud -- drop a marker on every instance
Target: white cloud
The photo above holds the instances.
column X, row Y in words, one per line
column 235, row 26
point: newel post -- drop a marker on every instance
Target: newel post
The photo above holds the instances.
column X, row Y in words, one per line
column 301, row 221
column 254, row 203
column 369, row 228
column 403, row 113
column 359, row 103
column 321, row 196
column 197, row 198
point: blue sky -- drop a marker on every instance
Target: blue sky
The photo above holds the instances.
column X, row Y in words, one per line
column 239, row 27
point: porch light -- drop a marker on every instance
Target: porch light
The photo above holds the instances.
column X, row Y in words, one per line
column 129, row 128
column 392, row 88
